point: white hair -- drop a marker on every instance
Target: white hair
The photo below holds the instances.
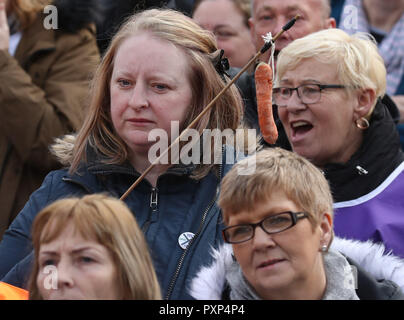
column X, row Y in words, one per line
column 355, row 57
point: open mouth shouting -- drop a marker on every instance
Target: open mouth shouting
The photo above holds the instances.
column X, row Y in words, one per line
column 299, row 130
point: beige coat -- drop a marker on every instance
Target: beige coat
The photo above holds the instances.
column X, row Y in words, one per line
column 43, row 93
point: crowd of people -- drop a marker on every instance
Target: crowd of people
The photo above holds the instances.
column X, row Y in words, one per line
column 318, row 215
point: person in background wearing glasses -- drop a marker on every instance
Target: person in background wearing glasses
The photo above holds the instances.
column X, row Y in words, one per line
column 271, row 16
column 328, row 89
column 280, row 240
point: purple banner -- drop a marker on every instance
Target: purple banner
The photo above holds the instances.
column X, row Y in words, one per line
column 378, row 216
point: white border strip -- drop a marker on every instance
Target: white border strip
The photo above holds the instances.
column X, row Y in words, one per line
column 373, row 193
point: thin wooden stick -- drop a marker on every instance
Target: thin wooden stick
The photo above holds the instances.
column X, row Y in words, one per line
column 266, row 46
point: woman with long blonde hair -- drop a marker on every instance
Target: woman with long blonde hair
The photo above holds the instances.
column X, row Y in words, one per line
column 160, row 71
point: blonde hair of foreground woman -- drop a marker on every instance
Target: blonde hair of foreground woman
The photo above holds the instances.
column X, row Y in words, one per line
column 109, row 222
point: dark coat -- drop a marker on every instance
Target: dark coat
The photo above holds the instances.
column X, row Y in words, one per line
column 368, row 189
column 370, row 288
column 43, row 91
column 379, row 154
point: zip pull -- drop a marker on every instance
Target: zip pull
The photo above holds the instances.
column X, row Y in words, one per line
column 154, row 199
column 361, row 170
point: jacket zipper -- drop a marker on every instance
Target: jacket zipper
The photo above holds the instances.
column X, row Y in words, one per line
column 153, row 207
column 153, row 200
column 179, row 265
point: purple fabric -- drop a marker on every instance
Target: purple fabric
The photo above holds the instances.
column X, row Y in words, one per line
column 380, row 218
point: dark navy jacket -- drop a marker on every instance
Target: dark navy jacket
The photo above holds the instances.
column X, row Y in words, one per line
column 178, row 204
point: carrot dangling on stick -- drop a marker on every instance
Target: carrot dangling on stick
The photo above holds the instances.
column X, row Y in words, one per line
column 263, row 85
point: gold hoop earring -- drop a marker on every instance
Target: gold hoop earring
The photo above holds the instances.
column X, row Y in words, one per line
column 362, row 123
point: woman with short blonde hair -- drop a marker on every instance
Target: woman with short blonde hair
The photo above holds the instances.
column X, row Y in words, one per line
column 329, row 88
column 280, row 244
column 359, row 65
column 278, row 170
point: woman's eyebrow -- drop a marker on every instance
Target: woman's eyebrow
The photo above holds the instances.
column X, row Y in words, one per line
column 48, row 253
column 304, row 81
column 85, row 248
column 122, row 73
column 310, row 81
column 274, row 8
column 221, row 26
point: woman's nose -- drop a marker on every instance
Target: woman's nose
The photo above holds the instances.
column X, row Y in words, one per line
column 261, row 239
column 280, row 21
column 294, row 103
column 138, row 99
column 64, row 274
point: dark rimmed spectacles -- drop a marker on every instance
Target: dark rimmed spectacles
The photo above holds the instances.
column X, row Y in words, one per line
column 308, row 93
column 272, row 224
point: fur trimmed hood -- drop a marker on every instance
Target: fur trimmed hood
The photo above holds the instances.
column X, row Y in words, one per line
column 62, row 149
column 209, row 282
column 74, row 15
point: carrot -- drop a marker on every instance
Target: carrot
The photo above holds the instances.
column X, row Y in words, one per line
column 263, row 86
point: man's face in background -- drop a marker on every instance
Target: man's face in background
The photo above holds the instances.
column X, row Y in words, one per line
column 272, row 15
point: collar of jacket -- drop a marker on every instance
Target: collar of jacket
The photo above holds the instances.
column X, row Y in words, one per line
column 97, row 177
column 378, row 156
column 126, row 168
column 370, row 288
column 97, row 165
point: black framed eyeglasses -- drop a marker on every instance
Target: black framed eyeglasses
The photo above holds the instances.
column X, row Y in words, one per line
column 307, row 93
column 272, row 224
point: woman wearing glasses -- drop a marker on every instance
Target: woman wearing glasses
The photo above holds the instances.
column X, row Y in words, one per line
column 279, row 225
column 328, row 90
